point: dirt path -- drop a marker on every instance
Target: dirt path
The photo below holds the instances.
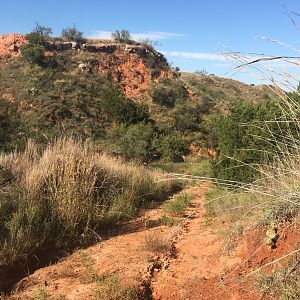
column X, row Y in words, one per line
column 142, row 265
column 197, row 270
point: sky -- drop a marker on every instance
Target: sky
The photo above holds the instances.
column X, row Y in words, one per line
column 194, row 35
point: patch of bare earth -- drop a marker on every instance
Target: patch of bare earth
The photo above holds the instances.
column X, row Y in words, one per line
column 185, row 261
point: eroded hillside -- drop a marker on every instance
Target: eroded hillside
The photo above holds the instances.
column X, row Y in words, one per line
column 132, row 67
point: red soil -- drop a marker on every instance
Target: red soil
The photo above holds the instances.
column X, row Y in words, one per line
column 10, row 43
column 195, row 267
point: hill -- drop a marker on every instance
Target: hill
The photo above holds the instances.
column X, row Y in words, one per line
column 90, row 89
column 221, row 93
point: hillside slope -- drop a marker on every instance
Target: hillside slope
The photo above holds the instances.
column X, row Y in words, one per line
column 89, row 89
column 219, row 94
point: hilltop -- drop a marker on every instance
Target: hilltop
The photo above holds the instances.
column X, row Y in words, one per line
column 132, row 67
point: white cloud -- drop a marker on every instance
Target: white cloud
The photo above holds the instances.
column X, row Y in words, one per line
column 157, row 35
column 101, row 34
column 196, row 55
column 232, row 60
column 152, row 35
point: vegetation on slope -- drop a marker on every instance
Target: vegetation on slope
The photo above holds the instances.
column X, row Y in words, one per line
column 63, row 195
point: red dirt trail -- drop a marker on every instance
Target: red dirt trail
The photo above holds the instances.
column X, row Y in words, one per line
column 192, row 268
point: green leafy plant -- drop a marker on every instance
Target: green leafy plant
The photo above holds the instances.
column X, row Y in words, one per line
column 133, row 141
column 167, row 91
column 247, row 138
column 39, row 35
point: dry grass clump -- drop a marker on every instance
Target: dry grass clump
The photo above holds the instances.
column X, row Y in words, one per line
column 156, row 242
column 282, row 284
column 282, row 183
column 61, row 196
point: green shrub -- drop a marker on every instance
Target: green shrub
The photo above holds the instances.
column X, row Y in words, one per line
column 251, row 135
column 167, row 91
column 39, row 35
column 121, row 109
column 133, row 141
column 170, row 148
column 33, row 54
column 9, row 123
column 111, row 288
column 186, row 118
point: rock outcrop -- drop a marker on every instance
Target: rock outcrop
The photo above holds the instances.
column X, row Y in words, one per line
column 10, row 44
column 133, row 67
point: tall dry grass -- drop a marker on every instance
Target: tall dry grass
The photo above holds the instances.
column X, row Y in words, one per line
column 63, row 195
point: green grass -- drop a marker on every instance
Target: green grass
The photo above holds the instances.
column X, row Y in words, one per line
column 201, row 168
column 178, row 206
column 231, row 205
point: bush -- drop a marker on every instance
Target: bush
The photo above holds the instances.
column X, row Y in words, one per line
column 122, row 36
column 33, row 54
column 247, row 138
column 57, row 198
column 73, row 34
column 178, row 205
column 121, row 109
column 157, row 243
column 186, row 118
column 134, row 141
column 9, row 123
column 149, row 44
column 171, row 148
column 39, row 35
column 167, row 91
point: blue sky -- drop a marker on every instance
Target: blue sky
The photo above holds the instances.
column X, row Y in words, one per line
column 191, row 33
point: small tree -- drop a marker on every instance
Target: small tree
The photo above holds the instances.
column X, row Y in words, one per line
column 72, row 34
column 150, row 44
column 43, row 30
column 166, row 91
column 122, row 109
column 122, row 36
column 133, row 141
column 39, row 35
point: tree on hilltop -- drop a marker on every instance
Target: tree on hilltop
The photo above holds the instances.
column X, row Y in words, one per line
column 122, row 36
column 39, row 35
column 72, row 34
